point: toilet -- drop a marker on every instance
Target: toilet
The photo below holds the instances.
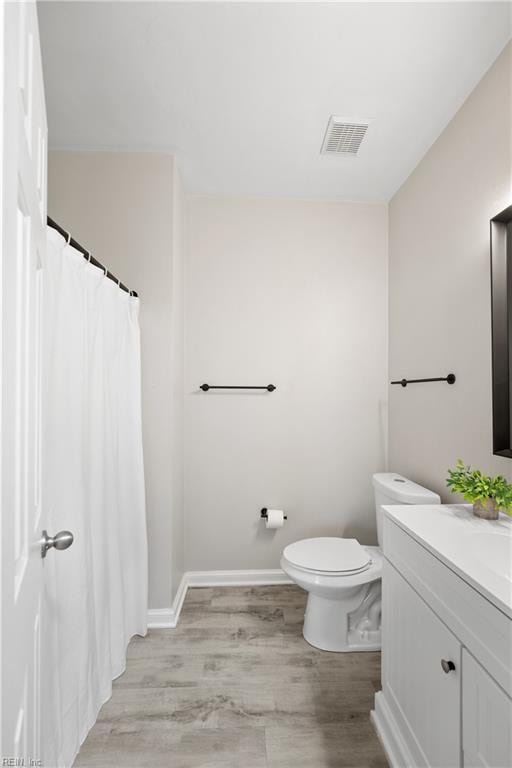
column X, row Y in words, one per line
column 343, row 578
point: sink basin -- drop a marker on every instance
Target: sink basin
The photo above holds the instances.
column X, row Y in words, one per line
column 479, row 551
column 494, row 550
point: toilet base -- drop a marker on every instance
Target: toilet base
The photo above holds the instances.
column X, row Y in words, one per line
column 334, row 625
column 350, row 648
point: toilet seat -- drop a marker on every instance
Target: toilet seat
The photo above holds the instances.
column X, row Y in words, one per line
column 328, row 556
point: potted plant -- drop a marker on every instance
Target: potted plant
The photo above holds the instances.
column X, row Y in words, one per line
column 488, row 495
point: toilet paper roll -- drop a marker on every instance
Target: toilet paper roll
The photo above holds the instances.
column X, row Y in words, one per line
column 275, row 518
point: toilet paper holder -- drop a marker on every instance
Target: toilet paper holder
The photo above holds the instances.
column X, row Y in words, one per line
column 264, row 515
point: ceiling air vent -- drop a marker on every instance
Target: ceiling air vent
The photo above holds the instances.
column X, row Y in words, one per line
column 343, row 137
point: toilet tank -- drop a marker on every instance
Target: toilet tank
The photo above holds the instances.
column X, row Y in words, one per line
column 391, row 488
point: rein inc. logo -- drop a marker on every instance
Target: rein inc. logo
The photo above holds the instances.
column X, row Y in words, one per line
column 21, row 762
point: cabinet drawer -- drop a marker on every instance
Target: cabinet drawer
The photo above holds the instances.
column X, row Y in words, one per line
column 479, row 625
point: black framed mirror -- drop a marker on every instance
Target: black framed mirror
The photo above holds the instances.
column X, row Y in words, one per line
column 501, row 303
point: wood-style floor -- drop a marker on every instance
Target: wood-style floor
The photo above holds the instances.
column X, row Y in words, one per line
column 236, row 686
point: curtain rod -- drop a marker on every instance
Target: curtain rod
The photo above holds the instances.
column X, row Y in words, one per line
column 87, row 255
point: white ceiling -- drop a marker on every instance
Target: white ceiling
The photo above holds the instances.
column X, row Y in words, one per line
column 241, row 92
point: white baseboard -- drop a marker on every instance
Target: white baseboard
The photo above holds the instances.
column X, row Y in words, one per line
column 167, row 618
column 393, row 744
column 248, row 578
column 161, row 618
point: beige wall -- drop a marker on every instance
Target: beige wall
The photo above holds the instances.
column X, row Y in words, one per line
column 295, row 293
column 125, row 207
column 177, row 370
column 290, row 293
column 439, row 289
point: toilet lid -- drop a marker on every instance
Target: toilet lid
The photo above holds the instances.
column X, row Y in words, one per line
column 328, row 554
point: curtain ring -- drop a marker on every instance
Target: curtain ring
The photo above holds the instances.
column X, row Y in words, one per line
column 89, row 257
column 119, row 283
column 68, row 238
column 105, row 270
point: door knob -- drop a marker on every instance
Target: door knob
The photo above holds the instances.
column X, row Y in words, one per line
column 448, row 666
column 61, row 540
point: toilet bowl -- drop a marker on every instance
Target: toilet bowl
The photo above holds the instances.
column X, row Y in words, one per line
column 326, row 569
column 343, row 578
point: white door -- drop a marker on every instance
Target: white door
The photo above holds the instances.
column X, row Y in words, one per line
column 23, row 137
column 486, row 718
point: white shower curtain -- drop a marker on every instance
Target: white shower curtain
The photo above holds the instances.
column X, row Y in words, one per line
column 93, row 485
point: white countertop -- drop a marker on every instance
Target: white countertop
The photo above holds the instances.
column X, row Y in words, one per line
column 479, row 551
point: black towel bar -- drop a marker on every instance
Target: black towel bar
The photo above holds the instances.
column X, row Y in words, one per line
column 206, row 387
column 450, row 379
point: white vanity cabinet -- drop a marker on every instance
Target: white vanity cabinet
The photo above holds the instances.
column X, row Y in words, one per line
column 426, row 700
column 446, row 699
column 487, row 718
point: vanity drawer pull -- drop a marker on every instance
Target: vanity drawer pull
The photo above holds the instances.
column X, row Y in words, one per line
column 448, row 666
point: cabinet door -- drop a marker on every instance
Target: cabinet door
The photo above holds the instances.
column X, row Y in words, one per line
column 424, row 699
column 486, row 718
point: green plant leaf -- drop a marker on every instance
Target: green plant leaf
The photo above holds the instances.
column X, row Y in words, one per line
column 474, row 486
